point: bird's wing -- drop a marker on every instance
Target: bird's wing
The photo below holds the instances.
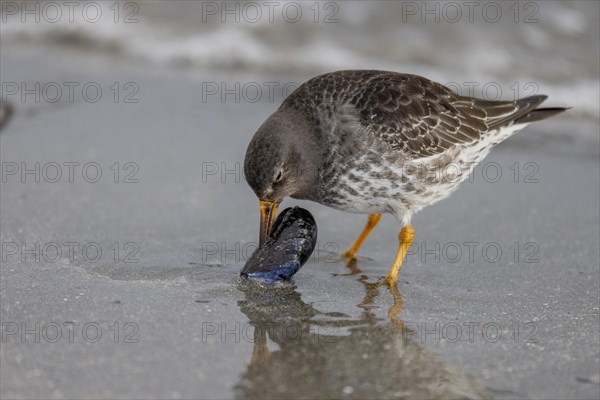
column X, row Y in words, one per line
column 422, row 118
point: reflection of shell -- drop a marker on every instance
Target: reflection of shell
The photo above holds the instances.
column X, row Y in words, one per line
column 291, row 243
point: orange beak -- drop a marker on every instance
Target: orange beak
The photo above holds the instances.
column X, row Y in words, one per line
column 268, row 210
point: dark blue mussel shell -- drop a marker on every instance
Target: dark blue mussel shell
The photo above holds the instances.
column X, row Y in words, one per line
column 292, row 241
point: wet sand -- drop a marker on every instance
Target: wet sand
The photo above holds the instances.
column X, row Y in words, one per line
column 527, row 318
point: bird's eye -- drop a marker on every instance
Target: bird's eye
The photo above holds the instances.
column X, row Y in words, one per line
column 278, row 176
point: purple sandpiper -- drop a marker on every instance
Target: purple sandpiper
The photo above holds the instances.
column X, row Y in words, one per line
column 376, row 142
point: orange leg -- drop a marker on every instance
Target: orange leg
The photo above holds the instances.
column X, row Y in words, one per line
column 260, row 351
column 406, row 236
column 395, row 309
column 352, row 251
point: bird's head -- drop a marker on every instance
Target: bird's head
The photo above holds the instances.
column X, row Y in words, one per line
column 280, row 162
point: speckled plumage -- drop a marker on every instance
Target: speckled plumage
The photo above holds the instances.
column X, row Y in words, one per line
column 378, row 142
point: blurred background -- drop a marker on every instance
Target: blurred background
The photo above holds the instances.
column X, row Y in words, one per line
column 552, row 43
column 162, row 97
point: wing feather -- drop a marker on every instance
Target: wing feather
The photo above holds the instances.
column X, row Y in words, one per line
column 406, row 112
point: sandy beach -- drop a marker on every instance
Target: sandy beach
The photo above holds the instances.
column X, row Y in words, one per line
column 126, row 220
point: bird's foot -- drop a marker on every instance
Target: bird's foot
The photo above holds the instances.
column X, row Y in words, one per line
column 391, row 282
column 349, row 255
column 351, row 262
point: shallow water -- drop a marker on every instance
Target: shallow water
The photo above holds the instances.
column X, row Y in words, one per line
column 330, row 355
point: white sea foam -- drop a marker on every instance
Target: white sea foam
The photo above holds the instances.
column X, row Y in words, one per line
column 558, row 54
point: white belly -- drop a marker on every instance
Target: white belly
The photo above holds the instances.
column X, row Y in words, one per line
column 403, row 189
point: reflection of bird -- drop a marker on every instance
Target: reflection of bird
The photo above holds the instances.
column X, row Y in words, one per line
column 315, row 361
column 376, row 142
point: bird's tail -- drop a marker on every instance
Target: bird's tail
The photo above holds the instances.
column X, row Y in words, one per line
column 523, row 111
column 529, row 111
